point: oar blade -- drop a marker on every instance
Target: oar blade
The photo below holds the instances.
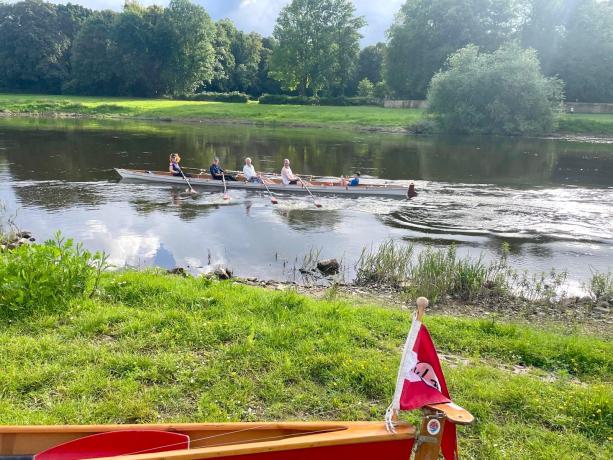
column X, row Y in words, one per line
column 273, row 200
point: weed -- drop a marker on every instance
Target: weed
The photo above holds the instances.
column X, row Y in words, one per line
column 600, row 286
column 388, row 264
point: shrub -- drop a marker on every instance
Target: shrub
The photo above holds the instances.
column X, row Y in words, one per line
column 380, row 91
column 282, row 99
column 503, row 92
column 600, row 286
column 45, row 277
column 365, row 88
column 234, row 96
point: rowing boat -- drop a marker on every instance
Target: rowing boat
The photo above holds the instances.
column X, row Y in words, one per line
column 274, row 184
column 389, row 440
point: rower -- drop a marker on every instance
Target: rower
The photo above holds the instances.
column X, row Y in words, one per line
column 356, row 180
column 287, row 176
column 173, row 167
column 217, row 172
column 249, row 172
column 411, row 193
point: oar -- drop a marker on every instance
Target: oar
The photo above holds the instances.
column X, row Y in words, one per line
column 191, row 189
column 273, row 200
column 225, row 190
column 317, row 203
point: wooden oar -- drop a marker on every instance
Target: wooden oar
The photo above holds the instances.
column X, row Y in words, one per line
column 191, row 189
column 225, row 190
column 317, row 203
column 273, row 200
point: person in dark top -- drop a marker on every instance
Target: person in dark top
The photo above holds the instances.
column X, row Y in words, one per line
column 174, row 167
column 218, row 173
column 411, row 193
column 356, row 180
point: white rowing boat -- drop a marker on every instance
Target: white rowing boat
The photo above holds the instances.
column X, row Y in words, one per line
column 274, row 184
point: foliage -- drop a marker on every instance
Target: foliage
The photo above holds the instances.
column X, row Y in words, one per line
column 234, row 96
column 365, row 88
column 571, row 37
column 502, row 92
column 155, row 348
column 317, row 46
column 587, row 44
column 237, row 59
column 370, row 63
column 44, row 278
column 35, row 42
column 281, row 99
column 600, row 286
column 380, row 90
column 426, row 32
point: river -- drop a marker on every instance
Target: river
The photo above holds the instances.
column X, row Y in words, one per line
column 550, row 199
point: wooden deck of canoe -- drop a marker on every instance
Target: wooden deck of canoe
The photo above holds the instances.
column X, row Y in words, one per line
column 275, row 185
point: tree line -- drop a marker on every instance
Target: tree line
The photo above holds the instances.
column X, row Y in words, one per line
column 313, row 51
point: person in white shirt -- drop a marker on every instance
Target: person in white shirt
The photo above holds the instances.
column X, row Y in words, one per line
column 249, row 172
column 287, row 176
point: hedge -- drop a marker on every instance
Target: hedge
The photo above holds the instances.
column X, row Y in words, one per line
column 234, row 96
column 302, row 100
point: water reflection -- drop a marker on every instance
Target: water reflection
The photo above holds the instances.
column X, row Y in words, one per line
column 551, row 200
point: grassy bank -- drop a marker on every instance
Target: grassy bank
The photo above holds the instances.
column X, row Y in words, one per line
column 287, row 115
column 154, row 347
column 375, row 118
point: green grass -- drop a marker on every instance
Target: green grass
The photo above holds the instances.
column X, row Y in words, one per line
column 377, row 118
column 365, row 117
column 585, row 123
column 155, row 347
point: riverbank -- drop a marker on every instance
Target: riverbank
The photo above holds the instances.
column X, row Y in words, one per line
column 158, row 347
column 354, row 118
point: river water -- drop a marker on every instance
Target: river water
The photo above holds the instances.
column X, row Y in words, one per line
column 551, row 200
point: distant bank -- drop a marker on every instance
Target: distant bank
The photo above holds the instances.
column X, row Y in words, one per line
column 356, row 118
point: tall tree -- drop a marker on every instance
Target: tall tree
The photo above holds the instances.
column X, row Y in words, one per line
column 264, row 83
column 370, row 63
column 585, row 58
column 35, row 41
column 237, row 58
column 187, row 35
column 317, row 45
column 427, row 31
column 94, row 57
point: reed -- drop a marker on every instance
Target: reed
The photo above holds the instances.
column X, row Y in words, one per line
column 388, row 264
column 600, row 286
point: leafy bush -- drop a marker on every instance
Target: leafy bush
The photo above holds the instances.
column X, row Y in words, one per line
column 503, row 92
column 365, row 88
column 380, row 91
column 282, row 99
column 45, row 277
column 600, row 286
column 233, row 96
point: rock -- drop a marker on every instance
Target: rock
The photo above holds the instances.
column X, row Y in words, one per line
column 26, row 235
column 223, row 273
column 177, row 271
column 328, row 266
column 32, row 239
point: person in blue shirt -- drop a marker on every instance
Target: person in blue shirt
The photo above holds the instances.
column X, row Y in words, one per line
column 356, row 180
column 218, row 173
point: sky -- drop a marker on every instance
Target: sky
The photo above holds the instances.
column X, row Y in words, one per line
column 260, row 15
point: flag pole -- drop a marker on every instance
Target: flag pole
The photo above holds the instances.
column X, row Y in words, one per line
column 391, row 414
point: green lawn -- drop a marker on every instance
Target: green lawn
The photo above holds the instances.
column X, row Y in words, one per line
column 154, row 347
column 585, row 123
column 365, row 117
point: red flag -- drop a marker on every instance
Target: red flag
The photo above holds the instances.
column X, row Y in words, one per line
column 421, row 382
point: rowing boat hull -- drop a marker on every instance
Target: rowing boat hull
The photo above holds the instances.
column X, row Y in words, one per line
column 231, row 441
column 393, row 191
